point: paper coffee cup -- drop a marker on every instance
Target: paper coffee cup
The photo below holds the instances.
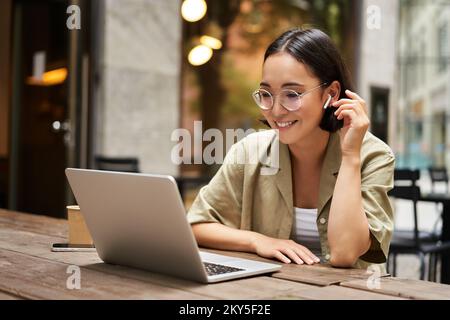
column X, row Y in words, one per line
column 78, row 231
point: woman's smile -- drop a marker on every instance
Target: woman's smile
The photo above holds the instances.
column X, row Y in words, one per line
column 284, row 125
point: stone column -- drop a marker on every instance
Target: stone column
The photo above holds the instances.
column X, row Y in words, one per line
column 378, row 54
column 138, row 106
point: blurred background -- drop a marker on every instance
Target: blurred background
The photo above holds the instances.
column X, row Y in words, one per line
column 104, row 83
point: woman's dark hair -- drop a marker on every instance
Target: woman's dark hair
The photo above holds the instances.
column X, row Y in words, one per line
column 317, row 51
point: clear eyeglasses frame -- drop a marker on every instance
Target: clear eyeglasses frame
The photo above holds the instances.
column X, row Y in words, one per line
column 291, row 100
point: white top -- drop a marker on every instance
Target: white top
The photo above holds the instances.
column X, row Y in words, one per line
column 306, row 232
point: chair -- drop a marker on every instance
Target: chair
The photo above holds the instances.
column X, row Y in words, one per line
column 438, row 175
column 186, row 182
column 414, row 241
column 117, row 164
column 132, row 165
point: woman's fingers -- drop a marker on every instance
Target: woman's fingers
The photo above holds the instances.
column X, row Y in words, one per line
column 307, row 256
column 354, row 99
column 347, row 107
column 353, row 95
column 278, row 255
column 292, row 255
column 347, row 113
column 342, row 101
column 310, row 254
column 288, row 251
column 301, row 252
column 351, row 117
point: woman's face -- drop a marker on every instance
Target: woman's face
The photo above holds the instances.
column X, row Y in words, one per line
column 282, row 71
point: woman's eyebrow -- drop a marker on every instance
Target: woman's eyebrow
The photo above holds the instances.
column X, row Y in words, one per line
column 290, row 84
column 287, row 84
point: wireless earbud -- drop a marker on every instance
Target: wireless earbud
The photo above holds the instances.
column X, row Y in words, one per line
column 328, row 101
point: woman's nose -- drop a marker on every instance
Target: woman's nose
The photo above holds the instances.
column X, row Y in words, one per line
column 278, row 109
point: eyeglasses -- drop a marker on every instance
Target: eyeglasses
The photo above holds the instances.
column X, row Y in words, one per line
column 291, row 100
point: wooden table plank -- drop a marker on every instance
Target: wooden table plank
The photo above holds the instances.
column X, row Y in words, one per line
column 261, row 287
column 7, row 296
column 34, row 223
column 258, row 287
column 39, row 245
column 322, row 275
column 36, row 278
column 318, row 274
column 406, row 288
column 334, row 292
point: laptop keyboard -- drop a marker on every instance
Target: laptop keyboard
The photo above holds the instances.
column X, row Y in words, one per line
column 213, row 269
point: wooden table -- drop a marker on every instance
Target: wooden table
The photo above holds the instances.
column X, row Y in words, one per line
column 29, row 270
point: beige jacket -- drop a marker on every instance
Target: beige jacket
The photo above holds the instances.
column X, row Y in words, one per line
column 252, row 196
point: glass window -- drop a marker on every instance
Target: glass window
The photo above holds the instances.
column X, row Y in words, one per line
column 443, row 48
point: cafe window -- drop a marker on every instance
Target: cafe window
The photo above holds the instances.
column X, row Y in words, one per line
column 443, row 47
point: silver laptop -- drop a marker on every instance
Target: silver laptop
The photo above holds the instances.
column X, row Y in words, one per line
column 139, row 220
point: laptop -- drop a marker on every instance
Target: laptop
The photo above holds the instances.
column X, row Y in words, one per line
column 139, row 220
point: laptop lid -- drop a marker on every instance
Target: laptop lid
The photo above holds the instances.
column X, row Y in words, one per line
column 138, row 220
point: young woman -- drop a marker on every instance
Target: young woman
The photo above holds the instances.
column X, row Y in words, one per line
column 328, row 198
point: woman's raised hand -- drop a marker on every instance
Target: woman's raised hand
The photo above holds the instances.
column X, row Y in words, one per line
column 356, row 123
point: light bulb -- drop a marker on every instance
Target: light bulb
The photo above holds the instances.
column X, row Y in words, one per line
column 211, row 42
column 200, row 55
column 193, row 10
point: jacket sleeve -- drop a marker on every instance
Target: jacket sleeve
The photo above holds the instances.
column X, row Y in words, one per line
column 221, row 200
column 377, row 178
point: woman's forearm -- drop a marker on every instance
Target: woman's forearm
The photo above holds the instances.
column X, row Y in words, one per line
column 348, row 228
column 219, row 236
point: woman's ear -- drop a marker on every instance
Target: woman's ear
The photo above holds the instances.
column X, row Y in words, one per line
column 335, row 91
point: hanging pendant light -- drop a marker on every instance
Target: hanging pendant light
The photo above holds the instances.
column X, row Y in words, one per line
column 199, row 55
column 193, row 10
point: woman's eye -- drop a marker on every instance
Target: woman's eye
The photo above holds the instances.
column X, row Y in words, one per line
column 292, row 95
column 265, row 94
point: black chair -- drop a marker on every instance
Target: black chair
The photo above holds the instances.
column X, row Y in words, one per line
column 438, row 175
column 132, row 165
column 186, row 182
column 414, row 241
column 117, row 164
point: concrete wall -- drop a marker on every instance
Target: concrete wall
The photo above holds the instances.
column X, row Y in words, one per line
column 378, row 56
column 140, row 82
